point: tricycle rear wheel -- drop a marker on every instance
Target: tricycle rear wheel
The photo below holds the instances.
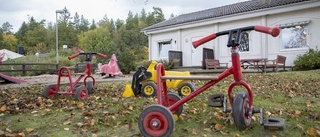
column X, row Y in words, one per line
column 173, row 98
column 50, row 91
column 155, row 121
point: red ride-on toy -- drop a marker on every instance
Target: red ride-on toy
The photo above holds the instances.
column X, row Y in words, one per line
column 157, row 120
column 80, row 91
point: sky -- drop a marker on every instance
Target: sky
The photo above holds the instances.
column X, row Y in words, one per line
column 18, row 11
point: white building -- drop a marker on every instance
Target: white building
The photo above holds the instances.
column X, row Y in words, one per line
column 299, row 21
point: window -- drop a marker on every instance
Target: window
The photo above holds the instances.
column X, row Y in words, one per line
column 164, row 50
column 244, row 42
column 164, row 47
column 294, row 35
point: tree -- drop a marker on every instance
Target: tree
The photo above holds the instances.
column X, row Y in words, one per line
column 1, row 31
column 21, row 34
column 93, row 25
column 84, row 24
column 66, row 17
column 9, row 42
column 76, row 21
column 119, row 23
column 7, row 28
column 96, row 40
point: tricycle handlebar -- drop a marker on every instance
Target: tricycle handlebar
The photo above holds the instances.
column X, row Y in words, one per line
column 268, row 30
column 94, row 53
column 73, row 56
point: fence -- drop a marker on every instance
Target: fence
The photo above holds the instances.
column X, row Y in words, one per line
column 25, row 67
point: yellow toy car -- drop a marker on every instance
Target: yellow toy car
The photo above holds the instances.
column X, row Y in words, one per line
column 144, row 82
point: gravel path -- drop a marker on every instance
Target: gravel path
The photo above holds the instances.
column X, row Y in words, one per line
column 52, row 79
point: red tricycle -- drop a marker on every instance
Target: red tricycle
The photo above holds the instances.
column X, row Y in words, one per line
column 157, row 119
column 80, row 91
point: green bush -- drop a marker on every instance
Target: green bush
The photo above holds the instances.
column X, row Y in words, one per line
column 166, row 64
column 308, row 61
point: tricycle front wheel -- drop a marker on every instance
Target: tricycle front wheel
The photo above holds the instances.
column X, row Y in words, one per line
column 81, row 93
column 241, row 111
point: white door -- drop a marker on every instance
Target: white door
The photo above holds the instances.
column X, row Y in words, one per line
column 196, row 53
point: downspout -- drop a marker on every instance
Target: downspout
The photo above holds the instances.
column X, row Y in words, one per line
column 149, row 43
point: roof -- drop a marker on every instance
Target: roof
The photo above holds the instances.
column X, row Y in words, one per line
column 236, row 8
column 7, row 54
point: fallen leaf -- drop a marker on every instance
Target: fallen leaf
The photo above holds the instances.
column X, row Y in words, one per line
column 66, row 129
column 79, row 104
column 194, row 132
column 308, row 104
column 29, row 130
column 218, row 127
column 297, row 112
column 175, row 117
column 20, row 135
column 3, row 108
column 66, row 122
column 300, row 127
column 312, row 132
column 130, row 108
column 8, row 130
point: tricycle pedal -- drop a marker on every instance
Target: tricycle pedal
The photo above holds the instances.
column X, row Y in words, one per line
column 216, row 100
column 274, row 124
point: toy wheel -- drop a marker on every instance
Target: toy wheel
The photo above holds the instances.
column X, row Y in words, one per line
column 50, row 91
column 89, row 85
column 155, row 121
column 173, row 98
column 241, row 111
column 185, row 89
column 81, row 93
column 149, row 89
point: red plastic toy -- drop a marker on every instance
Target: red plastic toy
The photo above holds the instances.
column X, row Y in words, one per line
column 80, row 91
column 157, row 119
column 112, row 68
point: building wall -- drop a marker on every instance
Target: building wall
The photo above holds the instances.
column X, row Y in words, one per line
column 313, row 33
column 261, row 45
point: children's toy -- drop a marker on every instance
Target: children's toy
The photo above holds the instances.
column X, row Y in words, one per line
column 157, row 120
column 144, row 82
column 111, row 69
column 75, row 88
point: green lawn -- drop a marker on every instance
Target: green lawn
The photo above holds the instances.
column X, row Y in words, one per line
column 294, row 96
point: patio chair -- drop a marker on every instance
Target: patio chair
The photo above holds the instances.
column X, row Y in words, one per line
column 213, row 63
column 279, row 62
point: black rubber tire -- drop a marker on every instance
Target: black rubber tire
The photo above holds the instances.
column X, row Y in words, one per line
column 240, row 110
column 149, row 89
column 49, row 91
column 89, row 85
column 173, row 98
column 81, row 93
column 185, row 89
column 152, row 115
